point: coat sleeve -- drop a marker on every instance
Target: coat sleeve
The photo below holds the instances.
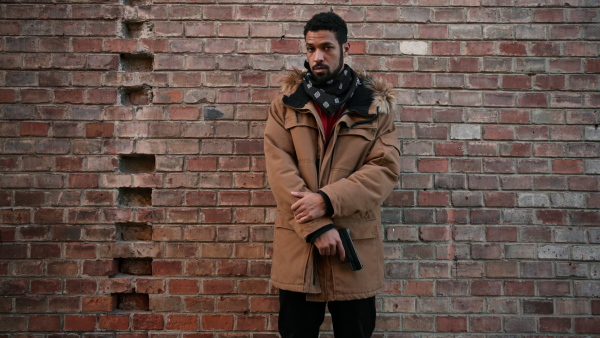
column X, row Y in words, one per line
column 283, row 173
column 374, row 180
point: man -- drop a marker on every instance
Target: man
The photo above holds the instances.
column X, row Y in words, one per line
column 332, row 157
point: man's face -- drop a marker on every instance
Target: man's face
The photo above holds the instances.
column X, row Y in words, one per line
column 325, row 55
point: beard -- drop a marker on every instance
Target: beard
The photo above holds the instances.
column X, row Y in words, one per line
column 322, row 79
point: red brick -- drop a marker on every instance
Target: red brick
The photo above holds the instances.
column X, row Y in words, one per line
column 113, row 322
column 217, row 322
column 147, row 322
column 419, row 288
column 251, row 323
column 183, row 286
column 554, row 324
column 451, row 324
column 166, row 268
column 182, row 322
column 13, row 287
column 519, row 288
column 98, row 304
column 45, row 286
column 100, row 267
column 545, row 49
column 432, row 165
column 587, row 325
column 44, row 323
column 80, row 323
column 80, row 286
column 513, row 48
column 417, row 80
column 486, row 323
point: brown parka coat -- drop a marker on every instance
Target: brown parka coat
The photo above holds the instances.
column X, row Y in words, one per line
column 357, row 170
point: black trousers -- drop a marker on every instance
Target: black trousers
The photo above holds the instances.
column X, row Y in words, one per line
column 299, row 318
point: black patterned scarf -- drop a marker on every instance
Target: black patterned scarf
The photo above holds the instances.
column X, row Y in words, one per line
column 332, row 95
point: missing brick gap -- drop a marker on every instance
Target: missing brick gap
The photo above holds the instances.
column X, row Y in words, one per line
column 137, row 29
column 131, row 231
column 135, row 197
column 135, row 96
column 133, row 301
column 136, row 2
column 137, row 164
column 135, row 266
column 136, row 62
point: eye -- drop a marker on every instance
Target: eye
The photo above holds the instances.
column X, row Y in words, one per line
column 310, row 49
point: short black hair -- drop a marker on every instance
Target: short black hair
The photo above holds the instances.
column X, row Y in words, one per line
column 328, row 21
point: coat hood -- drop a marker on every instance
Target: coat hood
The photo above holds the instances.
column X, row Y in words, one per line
column 373, row 90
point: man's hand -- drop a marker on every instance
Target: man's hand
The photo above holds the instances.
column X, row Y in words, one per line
column 330, row 243
column 310, row 206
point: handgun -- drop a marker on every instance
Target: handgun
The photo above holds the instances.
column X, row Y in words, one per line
column 351, row 255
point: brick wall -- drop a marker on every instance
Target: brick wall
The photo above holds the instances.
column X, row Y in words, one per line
column 134, row 200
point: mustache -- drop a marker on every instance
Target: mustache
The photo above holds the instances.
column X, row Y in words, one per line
column 320, row 65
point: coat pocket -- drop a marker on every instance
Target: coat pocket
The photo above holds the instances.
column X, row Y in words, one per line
column 362, row 225
column 351, row 149
column 295, row 119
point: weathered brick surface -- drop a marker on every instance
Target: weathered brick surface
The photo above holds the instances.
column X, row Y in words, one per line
column 492, row 230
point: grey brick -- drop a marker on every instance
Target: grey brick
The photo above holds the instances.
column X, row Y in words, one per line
column 571, row 269
column 414, row 47
column 492, row 64
column 432, row 64
column 586, row 252
column 594, row 235
column 587, row 289
column 467, row 199
column 546, row 116
column 450, row 181
column 495, row 32
column 592, row 166
column 502, row 305
column 515, row 15
column 415, row 14
column 533, row 200
column 595, row 271
column 530, row 65
column 465, row 32
column 517, row 216
column 465, row 132
column 398, row 31
column 592, row 134
column 430, row 97
column 553, row 252
column 569, row 235
column 421, row 148
column 531, row 32
column 522, row 251
column 568, row 200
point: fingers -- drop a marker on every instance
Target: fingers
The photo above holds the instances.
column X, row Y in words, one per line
column 298, row 202
column 302, row 219
column 340, row 248
column 328, row 250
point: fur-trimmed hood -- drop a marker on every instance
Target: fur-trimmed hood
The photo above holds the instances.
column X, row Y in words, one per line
column 373, row 91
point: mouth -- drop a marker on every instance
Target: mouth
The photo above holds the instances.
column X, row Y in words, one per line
column 320, row 69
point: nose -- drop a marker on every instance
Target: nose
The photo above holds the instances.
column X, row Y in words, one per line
column 318, row 56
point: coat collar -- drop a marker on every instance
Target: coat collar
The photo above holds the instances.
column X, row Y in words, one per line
column 371, row 92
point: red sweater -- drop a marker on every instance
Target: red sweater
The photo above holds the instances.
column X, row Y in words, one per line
column 328, row 121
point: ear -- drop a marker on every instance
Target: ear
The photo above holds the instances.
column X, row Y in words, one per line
column 346, row 48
